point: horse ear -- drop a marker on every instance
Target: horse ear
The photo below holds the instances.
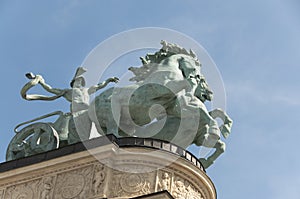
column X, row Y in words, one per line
column 192, row 53
column 180, row 59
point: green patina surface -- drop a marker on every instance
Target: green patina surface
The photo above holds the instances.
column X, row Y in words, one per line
column 165, row 101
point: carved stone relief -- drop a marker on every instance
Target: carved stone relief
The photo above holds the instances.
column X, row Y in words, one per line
column 46, row 187
column 131, row 184
column 182, row 189
column 73, row 184
column 164, row 181
column 1, row 194
column 130, row 178
column 99, row 179
column 26, row 190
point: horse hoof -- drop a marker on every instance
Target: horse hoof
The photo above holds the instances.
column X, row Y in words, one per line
column 205, row 163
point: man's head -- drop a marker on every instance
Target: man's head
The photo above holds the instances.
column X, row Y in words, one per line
column 77, row 82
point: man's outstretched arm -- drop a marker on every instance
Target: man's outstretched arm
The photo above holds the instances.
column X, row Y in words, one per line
column 99, row 86
column 48, row 88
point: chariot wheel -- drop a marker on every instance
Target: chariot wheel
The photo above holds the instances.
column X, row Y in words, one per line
column 32, row 139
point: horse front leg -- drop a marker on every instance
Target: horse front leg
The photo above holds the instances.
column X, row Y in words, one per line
column 220, row 147
column 213, row 128
column 208, row 133
column 227, row 121
column 209, row 137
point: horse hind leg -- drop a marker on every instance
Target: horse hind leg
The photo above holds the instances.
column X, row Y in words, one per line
column 220, row 147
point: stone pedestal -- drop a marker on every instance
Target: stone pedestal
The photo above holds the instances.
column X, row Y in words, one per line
column 107, row 167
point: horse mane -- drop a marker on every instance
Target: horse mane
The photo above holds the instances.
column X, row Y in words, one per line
column 150, row 61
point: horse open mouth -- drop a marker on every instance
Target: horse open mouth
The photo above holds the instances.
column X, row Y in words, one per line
column 207, row 97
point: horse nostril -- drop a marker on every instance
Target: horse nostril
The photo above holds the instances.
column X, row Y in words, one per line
column 205, row 96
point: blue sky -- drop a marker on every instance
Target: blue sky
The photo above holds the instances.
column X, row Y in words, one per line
column 255, row 44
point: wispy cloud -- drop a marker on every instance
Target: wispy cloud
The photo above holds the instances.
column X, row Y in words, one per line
column 65, row 14
column 292, row 100
column 257, row 93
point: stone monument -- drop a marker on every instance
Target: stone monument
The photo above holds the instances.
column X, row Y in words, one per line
column 144, row 130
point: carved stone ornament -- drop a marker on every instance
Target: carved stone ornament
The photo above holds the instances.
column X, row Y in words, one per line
column 182, row 189
column 131, row 184
column 22, row 191
column 164, row 181
column 123, row 175
column 73, row 184
column 46, row 187
column 99, row 179
column 134, row 182
column 1, row 194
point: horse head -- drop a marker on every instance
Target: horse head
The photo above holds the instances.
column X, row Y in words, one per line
column 189, row 66
column 203, row 92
